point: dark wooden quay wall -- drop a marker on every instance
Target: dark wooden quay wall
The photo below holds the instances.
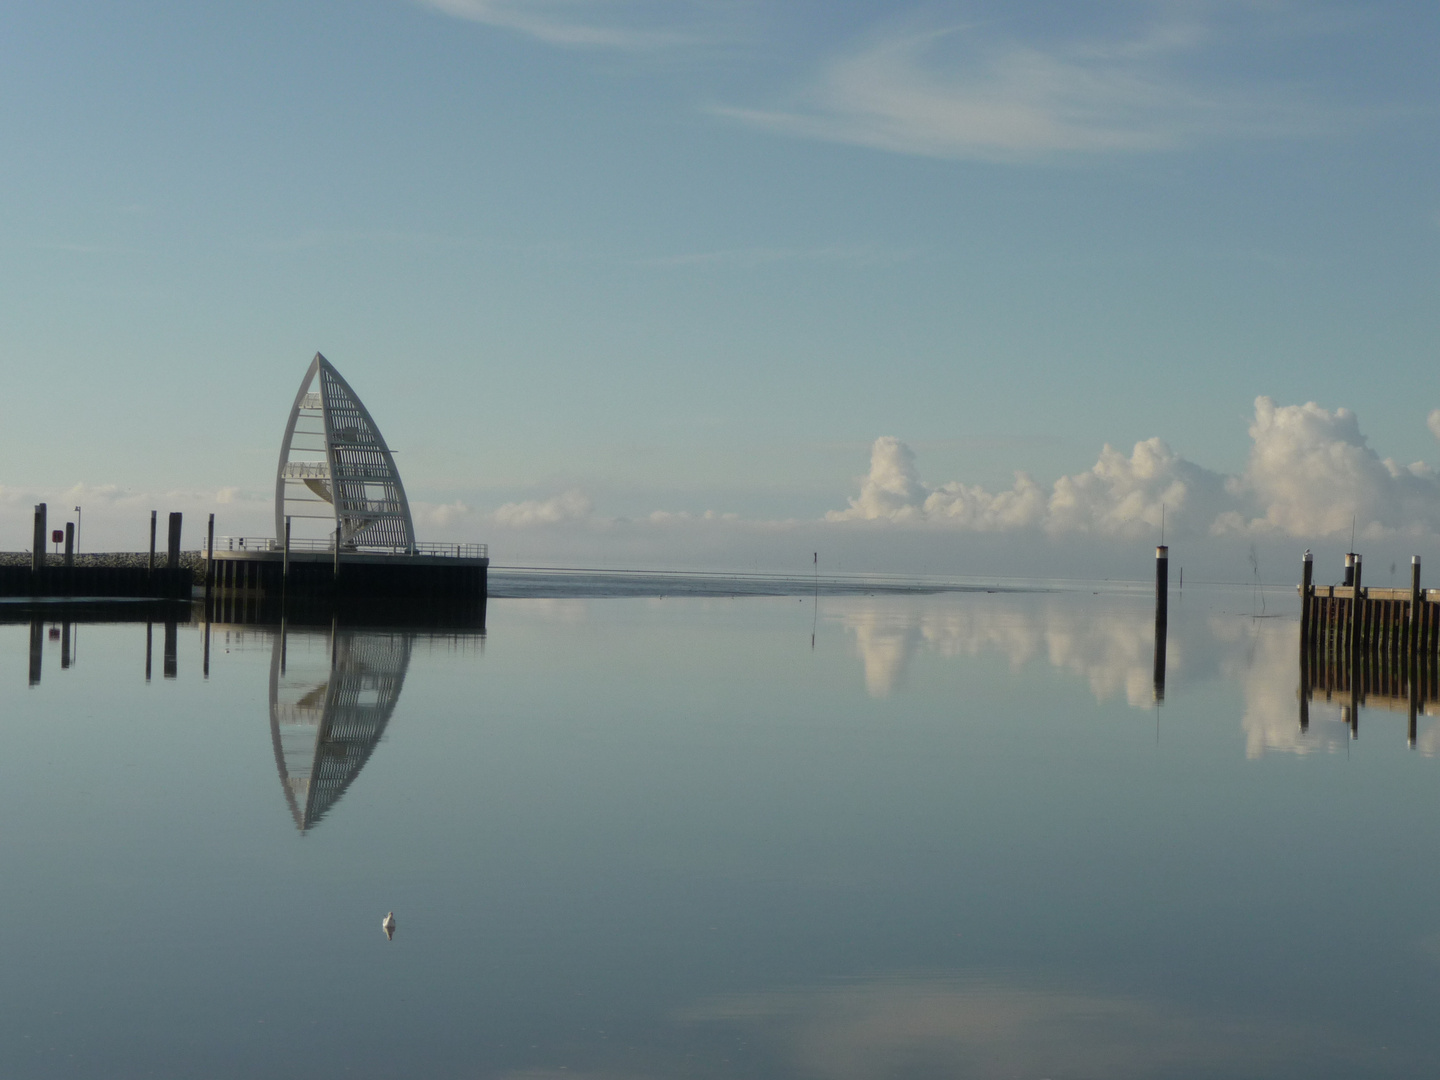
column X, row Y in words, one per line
column 1335, row 623
column 162, row 583
column 1376, row 647
column 412, row 578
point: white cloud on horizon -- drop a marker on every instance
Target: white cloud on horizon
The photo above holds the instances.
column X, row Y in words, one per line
column 956, row 93
column 1310, row 472
column 570, row 506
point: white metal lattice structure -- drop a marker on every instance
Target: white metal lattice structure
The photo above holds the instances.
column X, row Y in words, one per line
column 335, row 467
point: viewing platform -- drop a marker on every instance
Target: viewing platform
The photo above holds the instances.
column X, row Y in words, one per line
column 343, row 535
column 337, row 473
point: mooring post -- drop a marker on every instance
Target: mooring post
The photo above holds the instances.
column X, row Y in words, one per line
column 1358, row 627
column 1307, row 566
column 151, row 566
column 69, row 543
column 209, row 575
column 1162, row 589
column 172, row 560
column 37, row 548
column 1307, row 574
column 285, row 570
column 1349, row 569
column 1412, row 631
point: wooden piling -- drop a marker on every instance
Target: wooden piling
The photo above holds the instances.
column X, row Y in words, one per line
column 1307, row 573
column 1162, row 589
column 209, row 562
column 173, row 555
column 1412, row 627
column 69, row 543
column 152, row 541
column 37, row 547
column 1357, row 618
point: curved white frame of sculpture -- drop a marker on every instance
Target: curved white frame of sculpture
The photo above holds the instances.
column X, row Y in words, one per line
column 358, row 478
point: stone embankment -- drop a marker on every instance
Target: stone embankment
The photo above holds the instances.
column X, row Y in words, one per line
column 193, row 561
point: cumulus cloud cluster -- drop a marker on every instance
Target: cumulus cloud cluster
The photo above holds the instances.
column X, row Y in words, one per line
column 1310, row 473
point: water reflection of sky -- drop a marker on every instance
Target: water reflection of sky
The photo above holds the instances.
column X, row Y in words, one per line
column 653, row 837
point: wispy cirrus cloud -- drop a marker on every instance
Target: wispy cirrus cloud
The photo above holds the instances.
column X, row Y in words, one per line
column 958, row 92
column 833, row 254
column 573, row 24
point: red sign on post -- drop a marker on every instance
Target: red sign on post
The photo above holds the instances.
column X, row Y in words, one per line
column 56, row 535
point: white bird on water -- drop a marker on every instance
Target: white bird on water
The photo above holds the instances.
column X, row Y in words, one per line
column 388, row 925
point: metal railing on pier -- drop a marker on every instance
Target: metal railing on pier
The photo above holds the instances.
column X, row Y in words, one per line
column 268, row 544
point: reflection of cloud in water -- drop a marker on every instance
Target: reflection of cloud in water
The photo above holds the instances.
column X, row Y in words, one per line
column 1113, row 650
column 914, row 1027
column 571, row 612
column 1261, row 656
column 1427, row 735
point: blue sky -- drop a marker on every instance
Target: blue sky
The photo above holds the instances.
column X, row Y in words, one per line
column 699, row 256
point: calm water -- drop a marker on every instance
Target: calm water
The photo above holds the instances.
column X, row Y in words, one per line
column 669, row 838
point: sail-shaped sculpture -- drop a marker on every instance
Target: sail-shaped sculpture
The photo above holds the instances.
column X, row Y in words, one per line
column 325, row 731
column 335, row 467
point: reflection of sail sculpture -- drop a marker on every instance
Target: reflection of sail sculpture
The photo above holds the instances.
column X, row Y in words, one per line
column 325, row 732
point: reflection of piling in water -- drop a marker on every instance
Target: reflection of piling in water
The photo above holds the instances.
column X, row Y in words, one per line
column 171, row 666
column 1162, row 590
column 37, row 649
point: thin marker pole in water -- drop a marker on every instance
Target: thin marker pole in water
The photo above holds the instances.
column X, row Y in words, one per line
column 815, row 618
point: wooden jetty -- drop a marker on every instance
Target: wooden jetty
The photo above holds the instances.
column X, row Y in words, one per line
column 1339, row 620
column 336, row 477
column 1369, row 646
column 60, row 577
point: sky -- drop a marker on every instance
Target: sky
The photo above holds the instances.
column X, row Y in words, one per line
column 720, row 282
